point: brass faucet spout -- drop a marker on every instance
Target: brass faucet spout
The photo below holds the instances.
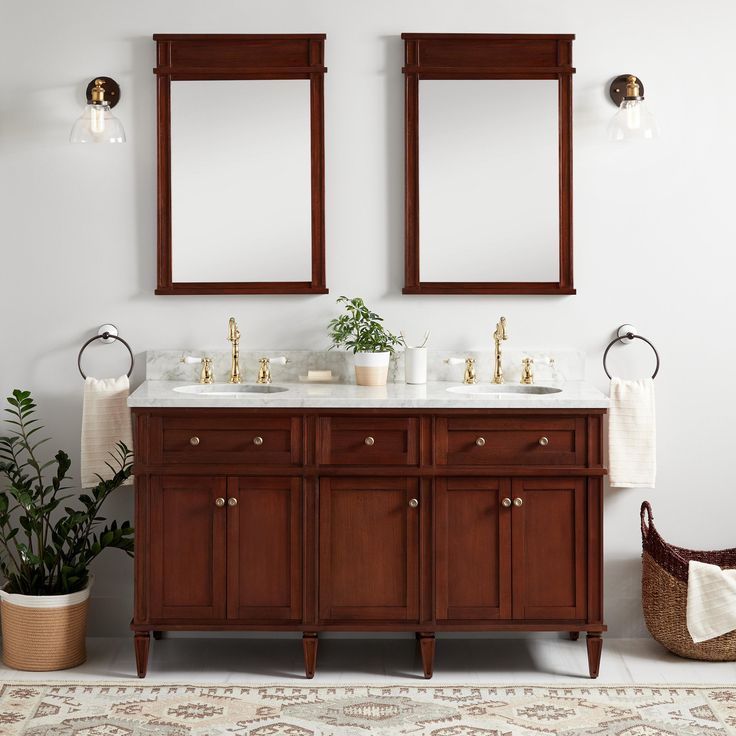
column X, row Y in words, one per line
column 499, row 335
column 234, row 338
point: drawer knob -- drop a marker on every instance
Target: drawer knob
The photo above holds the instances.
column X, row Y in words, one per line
column 544, row 441
column 370, row 441
column 219, row 502
column 258, row 441
column 194, row 441
column 506, row 503
column 481, row 441
column 414, row 502
column 518, row 502
column 232, row 501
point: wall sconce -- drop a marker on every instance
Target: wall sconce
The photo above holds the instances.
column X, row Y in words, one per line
column 634, row 120
column 97, row 124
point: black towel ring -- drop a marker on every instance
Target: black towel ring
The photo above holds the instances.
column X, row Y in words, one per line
column 105, row 336
column 630, row 336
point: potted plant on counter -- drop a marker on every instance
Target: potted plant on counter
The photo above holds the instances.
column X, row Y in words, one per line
column 361, row 331
column 46, row 546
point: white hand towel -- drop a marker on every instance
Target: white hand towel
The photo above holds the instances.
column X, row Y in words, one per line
column 105, row 422
column 711, row 601
column 632, row 434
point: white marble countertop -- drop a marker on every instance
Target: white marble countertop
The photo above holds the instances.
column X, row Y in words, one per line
column 161, row 394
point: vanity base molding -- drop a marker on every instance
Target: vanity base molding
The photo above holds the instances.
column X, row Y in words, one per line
column 424, row 521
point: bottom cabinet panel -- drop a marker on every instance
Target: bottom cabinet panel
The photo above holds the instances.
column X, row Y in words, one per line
column 187, row 548
column 549, row 548
column 264, row 549
column 473, row 549
column 369, row 549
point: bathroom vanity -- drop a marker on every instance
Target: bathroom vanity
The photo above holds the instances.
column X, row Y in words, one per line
column 344, row 508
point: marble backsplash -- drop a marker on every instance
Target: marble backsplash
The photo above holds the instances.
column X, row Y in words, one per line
column 166, row 365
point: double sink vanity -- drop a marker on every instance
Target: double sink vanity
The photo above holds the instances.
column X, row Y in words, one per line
column 334, row 507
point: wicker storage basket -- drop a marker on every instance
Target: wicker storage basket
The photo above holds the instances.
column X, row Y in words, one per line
column 664, row 594
column 42, row 633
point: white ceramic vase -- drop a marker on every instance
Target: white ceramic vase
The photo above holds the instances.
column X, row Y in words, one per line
column 371, row 369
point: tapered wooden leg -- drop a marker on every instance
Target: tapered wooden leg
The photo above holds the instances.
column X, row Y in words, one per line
column 574, row 635
column 309, row 642
column 427, row 646
column 157, row 635
column 142, row 641
column 595, row 647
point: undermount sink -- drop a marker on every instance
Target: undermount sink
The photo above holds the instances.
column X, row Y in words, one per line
column 230, row 389
column 479, row 389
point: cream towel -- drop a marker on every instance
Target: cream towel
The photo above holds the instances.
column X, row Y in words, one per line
column 711, row 601
column 105, row 422
column 631, row 434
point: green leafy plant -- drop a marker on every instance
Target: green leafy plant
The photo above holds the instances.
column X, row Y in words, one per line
column 45, row 550
column 360, row 329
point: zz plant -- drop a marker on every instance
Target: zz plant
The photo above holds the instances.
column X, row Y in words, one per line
column 360, row 329
column 46, row 549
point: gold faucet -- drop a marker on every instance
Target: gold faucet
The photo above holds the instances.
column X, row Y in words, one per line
column 527, row 372
column 498, row 335
column 469, row 378
column 234, row 338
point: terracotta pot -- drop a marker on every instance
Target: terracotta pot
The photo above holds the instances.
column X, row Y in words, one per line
column 44, row 632
column 371, row 369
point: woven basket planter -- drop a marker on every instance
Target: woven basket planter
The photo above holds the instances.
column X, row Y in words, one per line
column 44, row 632
column 664, row 594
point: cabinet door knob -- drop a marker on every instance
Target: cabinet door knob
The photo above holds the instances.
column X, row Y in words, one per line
column 219, row 502
column 414, row 502
column 544, row 441
column 480, row 441
column 518, row 502
column 194, row 441
column 369, row 441
column 232, row 501
column 506, row 503
column 258, row 441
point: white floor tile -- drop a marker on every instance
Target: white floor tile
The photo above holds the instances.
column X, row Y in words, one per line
column 382, row 661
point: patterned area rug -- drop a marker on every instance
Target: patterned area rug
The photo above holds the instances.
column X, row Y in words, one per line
column 179, row 710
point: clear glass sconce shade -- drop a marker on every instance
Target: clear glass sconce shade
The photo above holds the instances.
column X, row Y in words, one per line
column 97, row 124
column 633, row 121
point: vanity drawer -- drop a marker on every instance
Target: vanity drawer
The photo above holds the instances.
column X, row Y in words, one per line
column 240, row 440
column 368, row 441
column 511, row 441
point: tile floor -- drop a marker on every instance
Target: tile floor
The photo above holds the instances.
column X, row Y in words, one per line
column 551, row 660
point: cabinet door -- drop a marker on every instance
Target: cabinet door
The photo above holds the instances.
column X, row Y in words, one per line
column 549, row 548
column 187, row 548
column 473, row 549
column 369, row 549
column 264, row 558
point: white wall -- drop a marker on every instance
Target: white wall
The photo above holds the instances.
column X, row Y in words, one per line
column 654, row 226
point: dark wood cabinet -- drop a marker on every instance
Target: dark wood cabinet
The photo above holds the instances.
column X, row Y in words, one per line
column 186, row 547
column 548, row 547
column 473, row 549
column 368, row 549
column 264, row 549
column 419, row 521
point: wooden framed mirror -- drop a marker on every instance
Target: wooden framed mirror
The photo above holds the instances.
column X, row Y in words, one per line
column 240, row 164
column 488, row 198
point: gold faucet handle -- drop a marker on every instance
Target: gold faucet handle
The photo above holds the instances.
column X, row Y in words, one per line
column 527, row 371
column 470, row 376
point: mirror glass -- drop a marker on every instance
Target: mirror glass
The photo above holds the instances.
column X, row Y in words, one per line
column 241, row 180
column 489, row 180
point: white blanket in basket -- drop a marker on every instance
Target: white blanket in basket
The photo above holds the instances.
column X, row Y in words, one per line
column 711, row 601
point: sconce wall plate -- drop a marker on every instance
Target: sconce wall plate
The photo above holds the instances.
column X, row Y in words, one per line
column 618, row 88
column 112, row 90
